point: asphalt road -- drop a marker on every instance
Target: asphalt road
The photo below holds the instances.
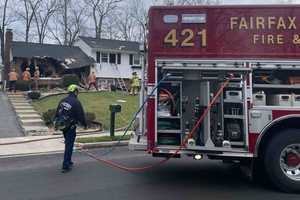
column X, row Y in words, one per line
column 39, row 178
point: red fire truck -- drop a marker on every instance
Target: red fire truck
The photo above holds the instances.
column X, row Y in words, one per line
column 192, row 51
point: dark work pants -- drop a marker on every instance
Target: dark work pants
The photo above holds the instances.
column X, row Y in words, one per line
column 69, row 136
column 94, row 84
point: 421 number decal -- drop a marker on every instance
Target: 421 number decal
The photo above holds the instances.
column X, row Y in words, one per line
column 188, row 35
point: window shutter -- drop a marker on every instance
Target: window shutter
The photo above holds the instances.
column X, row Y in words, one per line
column 130, row 59
column 119, row 58
column 112, row 58
column 98, row 57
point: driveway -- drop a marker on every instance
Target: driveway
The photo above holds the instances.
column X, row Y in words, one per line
column 9, row 126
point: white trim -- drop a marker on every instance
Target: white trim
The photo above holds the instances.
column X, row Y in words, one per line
column 114, row 50
column 276, row 108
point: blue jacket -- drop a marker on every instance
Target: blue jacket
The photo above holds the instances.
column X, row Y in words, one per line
column 76, row 111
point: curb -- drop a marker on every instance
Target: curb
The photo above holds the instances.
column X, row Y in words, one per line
column 95, row 145
column 31, row 154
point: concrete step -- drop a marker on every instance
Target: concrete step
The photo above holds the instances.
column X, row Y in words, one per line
column 29, row 116
column 29, row 111
column 16, row 96
column 23, row 107
column 19, row 101
column 35, row 130
column 32, row 122
column 20, row 104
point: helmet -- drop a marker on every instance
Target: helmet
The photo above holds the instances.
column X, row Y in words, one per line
column 72, row 88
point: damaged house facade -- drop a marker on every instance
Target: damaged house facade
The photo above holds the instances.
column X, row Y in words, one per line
column 53, row 61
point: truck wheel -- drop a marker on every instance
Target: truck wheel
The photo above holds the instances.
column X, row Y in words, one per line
column 282, row 160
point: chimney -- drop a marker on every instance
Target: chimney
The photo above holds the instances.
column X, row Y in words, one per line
column 7, row 52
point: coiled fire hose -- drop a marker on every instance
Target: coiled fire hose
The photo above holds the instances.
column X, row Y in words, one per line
column 183, row 144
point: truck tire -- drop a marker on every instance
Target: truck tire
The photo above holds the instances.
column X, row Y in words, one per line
column 282, row 160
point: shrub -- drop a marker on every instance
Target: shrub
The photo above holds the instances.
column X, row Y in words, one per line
column 34, row 95
column 69, row 79
column 48, row 116
column 23, row 85
column 90, row 117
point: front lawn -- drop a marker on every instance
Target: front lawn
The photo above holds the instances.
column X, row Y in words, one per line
column 98, row 103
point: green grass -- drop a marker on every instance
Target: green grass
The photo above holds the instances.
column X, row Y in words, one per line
column 98, row 103
column 102, row 139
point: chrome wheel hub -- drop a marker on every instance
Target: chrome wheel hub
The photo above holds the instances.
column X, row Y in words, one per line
column 290, row 161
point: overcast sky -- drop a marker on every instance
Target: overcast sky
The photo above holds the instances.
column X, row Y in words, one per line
column 20, row 36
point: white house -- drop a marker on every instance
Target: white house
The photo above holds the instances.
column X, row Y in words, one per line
column 116, row 60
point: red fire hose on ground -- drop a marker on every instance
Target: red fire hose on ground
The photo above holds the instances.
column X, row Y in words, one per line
column 190, row 135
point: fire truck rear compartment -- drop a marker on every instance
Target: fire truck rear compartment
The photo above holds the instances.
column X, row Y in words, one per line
column 182, row 99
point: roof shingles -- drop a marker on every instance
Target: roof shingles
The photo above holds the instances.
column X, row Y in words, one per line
column 70, row 57
column 118, row 45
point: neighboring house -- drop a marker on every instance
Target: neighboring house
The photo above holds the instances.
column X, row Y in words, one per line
column 116, row 60
column 52, row 60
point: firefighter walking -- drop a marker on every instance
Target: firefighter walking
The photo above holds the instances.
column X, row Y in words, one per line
column 92, row 81
column 135, row 84
column 69, row 113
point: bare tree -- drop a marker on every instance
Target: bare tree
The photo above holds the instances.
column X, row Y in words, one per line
column 27, row 13
column 3, row 26
column 65, row 19
column 125, row 24
column 68, row 23
column 76, row 25
column 111, row 27
column 42, row 16
column 139, row 12
column 100, row 10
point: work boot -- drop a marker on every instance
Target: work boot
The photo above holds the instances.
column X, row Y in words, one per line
column 65, row 170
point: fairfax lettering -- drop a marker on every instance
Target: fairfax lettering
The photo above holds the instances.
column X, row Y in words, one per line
column 259, row 23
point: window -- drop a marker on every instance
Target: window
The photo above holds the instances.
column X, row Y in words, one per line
column 112, row 58
column 134, row 59
column 98, row 57
column 104, row 57
column 119, row 58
